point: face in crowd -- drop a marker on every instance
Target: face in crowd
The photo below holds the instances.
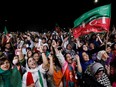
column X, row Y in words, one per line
column 4, row 64
column 32, row 64
column 85, row 56
column 68, row 58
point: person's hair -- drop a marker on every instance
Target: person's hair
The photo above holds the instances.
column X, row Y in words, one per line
column 28, row 53
column 66, row 54
column 28, row 48
column 27, row 62
column 40, row 57
column 43, row 38
column 112, row 46
column 35, row 53
column 3, row 58
column 57, row 63
column 59, row 41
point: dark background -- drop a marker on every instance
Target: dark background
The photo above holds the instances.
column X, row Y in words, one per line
column 43, row 15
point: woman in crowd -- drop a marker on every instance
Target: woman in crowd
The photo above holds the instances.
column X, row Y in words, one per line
column 55, row 71
column 66, row 62
column 37, row 57
column 9, row 77
column 35, row 75
column 95, row 76
column 17, row 64
column 85, row 60
column 112, row 75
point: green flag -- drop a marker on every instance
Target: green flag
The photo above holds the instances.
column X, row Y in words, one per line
column 5, row 30
column 95, row 20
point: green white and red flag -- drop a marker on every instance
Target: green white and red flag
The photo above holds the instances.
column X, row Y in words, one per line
column 95, row 20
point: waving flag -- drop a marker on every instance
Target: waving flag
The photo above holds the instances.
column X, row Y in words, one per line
column 95, row 20
column 4, row 39
column 5, row 30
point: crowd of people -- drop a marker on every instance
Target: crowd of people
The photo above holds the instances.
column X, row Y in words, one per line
column 57, row 59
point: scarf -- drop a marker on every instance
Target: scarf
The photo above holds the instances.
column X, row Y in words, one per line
column 104, row 80
column 85, row 64
column 30, row 79
column 57, row 77
column 10, row 78
column 5, row 77
column 93, row 68
column 69, row 77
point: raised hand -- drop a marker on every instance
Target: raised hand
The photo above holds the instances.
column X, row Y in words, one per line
column 50, row 56
column 77, row 57
column 40, row 49
column 54, row 43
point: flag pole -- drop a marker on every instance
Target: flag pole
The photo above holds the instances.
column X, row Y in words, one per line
column 107, row 37
column 6, row 32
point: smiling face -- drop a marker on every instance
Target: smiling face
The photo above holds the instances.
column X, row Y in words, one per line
column 36, row 56
column 5, row 65
column 68, row 58
column 32, row 63
column 85, row 56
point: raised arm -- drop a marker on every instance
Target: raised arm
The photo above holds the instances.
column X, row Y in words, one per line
column 59, row 54
column 79, row 67
column 44, row 58
column 51, row 68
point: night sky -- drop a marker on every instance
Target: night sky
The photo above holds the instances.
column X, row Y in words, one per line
column 30, row 15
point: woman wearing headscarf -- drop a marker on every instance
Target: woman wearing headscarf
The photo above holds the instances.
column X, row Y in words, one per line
column 35, row 75
column 95, row 76
column 102, row 58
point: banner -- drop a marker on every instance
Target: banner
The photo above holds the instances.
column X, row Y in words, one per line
column 95, row 20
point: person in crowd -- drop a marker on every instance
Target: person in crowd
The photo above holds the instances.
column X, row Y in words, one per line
column 85, row 60
column 35, row 75
column 68, row 70
column 110, row 54
column 37, row 57
column 112, row 75
column 92, row 47
column 102, row 58
column 45, row 49
column 29, row 54
column 9, row 77
column 113, row 47
column 17, row 64
column 70, row 50
column 9, row 51
column 95, row 76
column 54, row 75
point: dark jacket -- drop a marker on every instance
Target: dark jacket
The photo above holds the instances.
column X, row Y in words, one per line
column 89, row 81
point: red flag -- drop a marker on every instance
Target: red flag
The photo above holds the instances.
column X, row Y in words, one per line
column 29, row 79
column 96, row 20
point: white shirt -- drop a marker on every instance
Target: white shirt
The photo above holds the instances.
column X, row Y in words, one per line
column 35, row 76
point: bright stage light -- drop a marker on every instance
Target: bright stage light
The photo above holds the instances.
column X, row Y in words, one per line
column 95, row 1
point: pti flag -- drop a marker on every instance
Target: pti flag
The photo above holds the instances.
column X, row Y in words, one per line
column 5, row 30
column 95, row 20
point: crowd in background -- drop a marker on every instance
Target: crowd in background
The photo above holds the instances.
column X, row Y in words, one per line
column 57, row 59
